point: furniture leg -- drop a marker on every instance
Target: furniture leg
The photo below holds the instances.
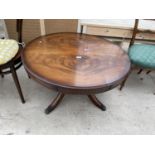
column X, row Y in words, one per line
column 29, row 76
column 148, row 72
column 54, row 103
column 94, row 99
column 123, row 83
column 1, row 73
column 140, row 71
column 15, row 78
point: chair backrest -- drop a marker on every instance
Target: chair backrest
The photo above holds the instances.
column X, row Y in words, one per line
column 136, row 31
column 19, row 24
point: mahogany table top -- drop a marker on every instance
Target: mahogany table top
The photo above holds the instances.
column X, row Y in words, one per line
column 75, row 61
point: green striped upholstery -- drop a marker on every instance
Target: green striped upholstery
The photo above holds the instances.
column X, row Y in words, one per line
column 143, row 55
column 8, row 49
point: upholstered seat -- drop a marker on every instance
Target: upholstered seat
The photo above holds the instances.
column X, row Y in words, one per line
column 10, row 59
column 8, row 50
column 143, row 55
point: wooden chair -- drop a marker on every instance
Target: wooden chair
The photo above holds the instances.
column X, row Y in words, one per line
column 141, row 55
column 15, row 63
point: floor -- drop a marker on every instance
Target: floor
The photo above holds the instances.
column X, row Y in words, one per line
column 130, row 111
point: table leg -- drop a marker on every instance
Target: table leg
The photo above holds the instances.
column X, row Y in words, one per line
column 54, row 103
column 94, row 99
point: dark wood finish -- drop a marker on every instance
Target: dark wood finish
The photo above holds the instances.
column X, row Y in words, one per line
column 94, row 99
column 135, row 30
column 15, row 63
column 123, row 83
column 149, row 71
column 81, row 29
column 125, row 79
column 19, row 29
column 15, row 78
column 54, row 103
column 140, row 71
column 76, row 63
column 2, row 75
column 73, row 61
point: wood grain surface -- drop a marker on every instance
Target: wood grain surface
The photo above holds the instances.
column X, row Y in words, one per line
column 72, row 60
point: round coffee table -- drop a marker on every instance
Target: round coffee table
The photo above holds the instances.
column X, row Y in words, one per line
column 73, row 63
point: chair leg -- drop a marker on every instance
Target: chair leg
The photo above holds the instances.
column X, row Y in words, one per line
column 1, row 73
column 148, row 72
column 123, row 83
column 15, row 78
column 140, row 71
column 28, row 75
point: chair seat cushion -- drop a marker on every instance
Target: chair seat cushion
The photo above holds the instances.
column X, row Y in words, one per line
column 8, row 50
column 143, row 55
